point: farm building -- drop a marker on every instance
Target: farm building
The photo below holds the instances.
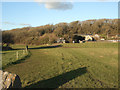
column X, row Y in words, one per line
column 113, row 36
column 96, row 36
column 61, row 40
column 102, row 39
column 86, row 37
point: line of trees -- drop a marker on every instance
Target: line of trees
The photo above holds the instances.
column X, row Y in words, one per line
column 50, row 33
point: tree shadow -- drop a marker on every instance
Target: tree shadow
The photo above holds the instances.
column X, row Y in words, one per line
column 46, row 47
column 57, row 81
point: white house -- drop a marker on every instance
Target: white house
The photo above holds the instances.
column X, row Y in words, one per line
column 96, row 35
column 88, row 38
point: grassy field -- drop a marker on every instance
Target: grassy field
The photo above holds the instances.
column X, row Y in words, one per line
column 85, row 65
column 12, row 57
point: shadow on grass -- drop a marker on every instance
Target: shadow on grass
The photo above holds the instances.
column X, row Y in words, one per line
column 9, row 49
column 47, row 47
column 18, row 61
column 2, row 53
column 57, row 81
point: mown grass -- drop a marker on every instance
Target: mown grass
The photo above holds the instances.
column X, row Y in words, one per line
column 92, row 45
column 86, row 65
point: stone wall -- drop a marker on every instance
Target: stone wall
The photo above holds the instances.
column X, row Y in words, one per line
column 9, row 80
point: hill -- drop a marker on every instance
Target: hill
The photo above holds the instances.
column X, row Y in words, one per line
column 50, row 33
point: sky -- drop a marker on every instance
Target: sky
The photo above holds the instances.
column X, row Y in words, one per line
column 23, row 14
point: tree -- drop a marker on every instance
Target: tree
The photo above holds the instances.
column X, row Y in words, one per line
column 49, row 33
column 7, row 38
column 77, row 38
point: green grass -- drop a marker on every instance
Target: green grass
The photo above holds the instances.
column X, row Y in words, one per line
column 86, row 65
column 92, row 45
column 10, row 57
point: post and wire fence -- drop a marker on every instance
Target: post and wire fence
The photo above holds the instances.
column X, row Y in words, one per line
column 19, row 53
column 9, row 57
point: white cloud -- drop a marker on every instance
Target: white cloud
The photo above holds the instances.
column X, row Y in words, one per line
column 16, row 0
column 53, row 0
column 60, row 0
column 8, row 23
column 76, row 0
column 56, row 4
column 65, row 4
column 21, row 24
column 59, row 5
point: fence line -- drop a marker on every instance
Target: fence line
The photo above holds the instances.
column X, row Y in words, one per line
column 24, row 52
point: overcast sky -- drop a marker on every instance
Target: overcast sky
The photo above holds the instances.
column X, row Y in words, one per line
column 22, row 14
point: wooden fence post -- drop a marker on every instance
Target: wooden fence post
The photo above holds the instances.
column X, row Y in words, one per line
column 23, row 52
column 26, row 50
column 17, row 55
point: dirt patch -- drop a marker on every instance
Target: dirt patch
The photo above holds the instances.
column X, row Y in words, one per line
column 45, row 52
column 101, row 56
column 92, row 53
column 115, row 52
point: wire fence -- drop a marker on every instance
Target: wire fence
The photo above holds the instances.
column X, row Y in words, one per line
column 9, row 57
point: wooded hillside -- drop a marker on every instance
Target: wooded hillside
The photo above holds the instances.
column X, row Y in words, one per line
column 50, row 33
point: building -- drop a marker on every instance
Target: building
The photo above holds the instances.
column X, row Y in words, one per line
column 86, row 37
column 96, row 36
column 102, row 39
column 61, row 40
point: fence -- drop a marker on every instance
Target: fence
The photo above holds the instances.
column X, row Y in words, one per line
column 9, row 57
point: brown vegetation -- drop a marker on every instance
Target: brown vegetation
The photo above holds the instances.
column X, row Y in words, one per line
column 50, row 33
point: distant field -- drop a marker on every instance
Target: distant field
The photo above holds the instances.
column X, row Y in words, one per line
column 85, row 65
column 92, row 45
